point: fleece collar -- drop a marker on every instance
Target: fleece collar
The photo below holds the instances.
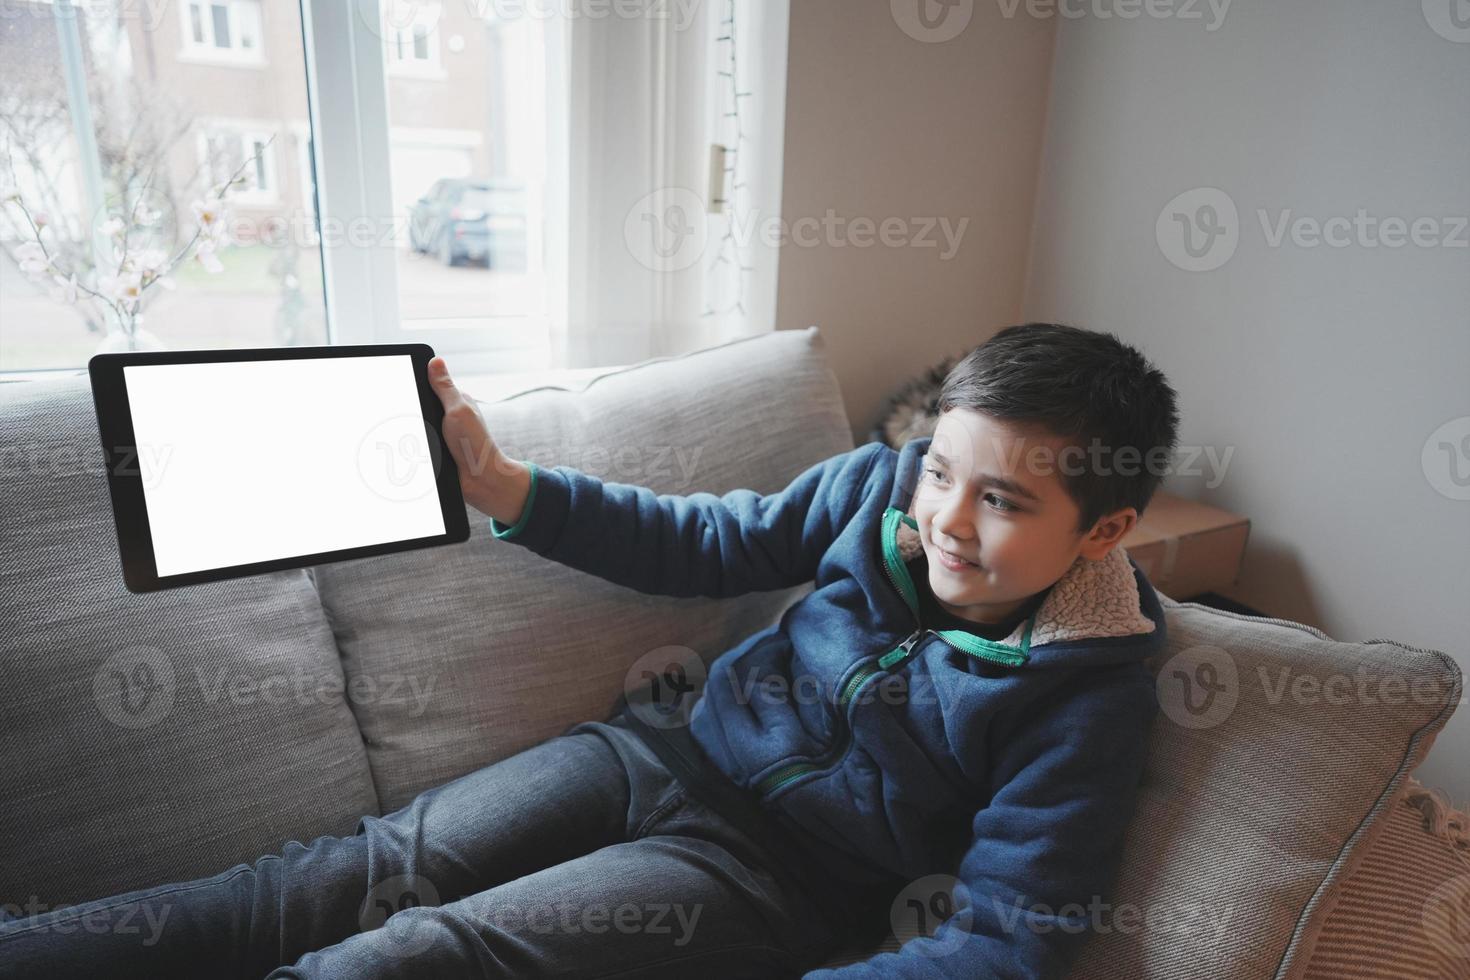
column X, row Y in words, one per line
column 1093, row 600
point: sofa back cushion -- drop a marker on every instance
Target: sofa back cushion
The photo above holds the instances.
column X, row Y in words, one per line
column 496, row 648
column 148, row 738
column 1274, row 764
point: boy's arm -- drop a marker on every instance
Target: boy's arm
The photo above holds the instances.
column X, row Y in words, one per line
column 1044, row 851
column 695, row 545
column 699, row 544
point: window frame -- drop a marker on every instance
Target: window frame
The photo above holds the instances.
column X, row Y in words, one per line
column 300, row 132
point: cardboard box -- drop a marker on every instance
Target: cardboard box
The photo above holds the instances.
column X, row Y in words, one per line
column 1186, row 547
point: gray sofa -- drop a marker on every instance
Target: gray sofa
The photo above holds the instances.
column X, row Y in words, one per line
column 167, row 736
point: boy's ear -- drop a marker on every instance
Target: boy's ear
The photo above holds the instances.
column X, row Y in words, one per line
column 1107, row 532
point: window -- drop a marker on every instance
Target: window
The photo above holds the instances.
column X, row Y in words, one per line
column 164, row 131
column 454, row 178
column 412, row 37
column 221, row 30
column 223, row 151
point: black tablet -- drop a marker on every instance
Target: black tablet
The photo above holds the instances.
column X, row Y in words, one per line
column 225, row 463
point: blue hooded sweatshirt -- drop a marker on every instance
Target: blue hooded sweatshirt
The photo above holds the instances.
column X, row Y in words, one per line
column 1012, row 765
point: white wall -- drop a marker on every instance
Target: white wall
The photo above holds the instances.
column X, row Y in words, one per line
column 881, row 125
column 1325, row 368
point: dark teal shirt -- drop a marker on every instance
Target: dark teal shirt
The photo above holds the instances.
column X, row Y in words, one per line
column 936, row 617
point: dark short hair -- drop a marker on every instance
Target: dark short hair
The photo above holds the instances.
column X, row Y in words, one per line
column 1085, row 386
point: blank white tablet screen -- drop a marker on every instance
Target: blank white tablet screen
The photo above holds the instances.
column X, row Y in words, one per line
column 247, row 461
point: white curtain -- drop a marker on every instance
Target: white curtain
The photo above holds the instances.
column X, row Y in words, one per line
column 650, row 271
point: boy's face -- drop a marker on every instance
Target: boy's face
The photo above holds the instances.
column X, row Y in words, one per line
column 990, row 496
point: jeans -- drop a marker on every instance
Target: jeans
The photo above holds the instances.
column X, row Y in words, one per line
column 579, row 857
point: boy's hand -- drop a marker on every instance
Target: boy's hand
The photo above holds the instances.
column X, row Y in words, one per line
column 492, row 483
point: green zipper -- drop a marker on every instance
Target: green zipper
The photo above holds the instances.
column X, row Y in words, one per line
column 787, row 773
column 975, row 646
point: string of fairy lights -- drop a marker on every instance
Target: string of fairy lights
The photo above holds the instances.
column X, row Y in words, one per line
column 727, row 256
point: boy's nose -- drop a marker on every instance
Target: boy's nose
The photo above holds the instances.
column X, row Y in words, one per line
column 953, row 524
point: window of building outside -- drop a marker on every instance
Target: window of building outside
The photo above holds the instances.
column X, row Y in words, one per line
column 225, row 150
column 148, row 186
column 224, row 29
column 409, row 32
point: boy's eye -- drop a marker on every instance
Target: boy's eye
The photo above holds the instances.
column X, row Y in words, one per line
column 1001, row 504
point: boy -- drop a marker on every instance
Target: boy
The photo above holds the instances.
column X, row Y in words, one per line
column 976, row 641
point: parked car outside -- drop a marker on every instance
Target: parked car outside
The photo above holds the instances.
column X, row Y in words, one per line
column 463, row 218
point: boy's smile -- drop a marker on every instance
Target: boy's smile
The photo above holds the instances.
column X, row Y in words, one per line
column 995, row 518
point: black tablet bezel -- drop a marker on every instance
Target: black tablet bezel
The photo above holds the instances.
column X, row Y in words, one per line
column 125, row 479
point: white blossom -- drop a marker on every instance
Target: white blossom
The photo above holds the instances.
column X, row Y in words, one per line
column 112, row 227
column 152, row 261
column 32, row 260
column 125, row 287
column 211, row 216
column 207, row 258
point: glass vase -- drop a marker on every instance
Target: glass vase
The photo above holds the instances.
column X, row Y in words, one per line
column 125, row 340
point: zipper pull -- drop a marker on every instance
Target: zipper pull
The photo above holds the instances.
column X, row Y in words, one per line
column 901, row 652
